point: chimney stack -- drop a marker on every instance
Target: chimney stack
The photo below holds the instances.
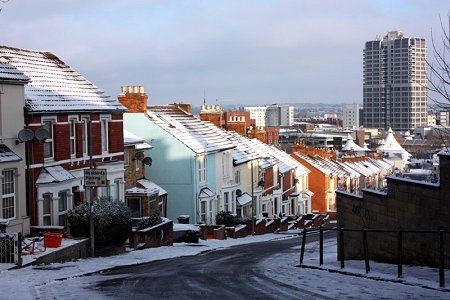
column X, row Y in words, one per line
column 133, row 98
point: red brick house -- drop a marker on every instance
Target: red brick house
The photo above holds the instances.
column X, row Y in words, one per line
column 142, row 196
column 68, row 116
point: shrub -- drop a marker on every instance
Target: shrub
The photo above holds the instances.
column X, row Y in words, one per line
column 112, row 222
column 149, row 222
column 226, row 218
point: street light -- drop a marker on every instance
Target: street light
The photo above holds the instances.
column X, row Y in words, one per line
column 253, row 201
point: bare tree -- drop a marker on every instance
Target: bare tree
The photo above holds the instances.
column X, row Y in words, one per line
column 439, row 76
column 3, row 1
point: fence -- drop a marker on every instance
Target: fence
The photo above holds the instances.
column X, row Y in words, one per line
column 364, row 232
column 10, row 244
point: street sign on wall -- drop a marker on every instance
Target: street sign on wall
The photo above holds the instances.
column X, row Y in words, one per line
column 95, row 177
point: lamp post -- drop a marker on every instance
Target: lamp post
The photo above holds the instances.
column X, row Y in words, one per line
column 253, row 201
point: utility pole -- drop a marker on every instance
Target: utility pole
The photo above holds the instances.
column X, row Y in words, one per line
column 91, row 200
column 253, row 201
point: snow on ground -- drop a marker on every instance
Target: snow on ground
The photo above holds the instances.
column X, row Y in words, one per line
column 23, row 283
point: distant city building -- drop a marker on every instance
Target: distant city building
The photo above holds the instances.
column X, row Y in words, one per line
column 351, row 115
column 443, row 118
column 431, row 120
column 279, row 115
column 395, row 83
column 258, row 113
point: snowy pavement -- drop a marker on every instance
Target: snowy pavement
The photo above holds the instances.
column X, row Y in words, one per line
column 24, row 283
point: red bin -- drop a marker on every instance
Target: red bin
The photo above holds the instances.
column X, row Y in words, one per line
column 52, row 240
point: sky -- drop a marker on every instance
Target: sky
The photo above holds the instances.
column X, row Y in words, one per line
column 67, row 280
column 227, row 52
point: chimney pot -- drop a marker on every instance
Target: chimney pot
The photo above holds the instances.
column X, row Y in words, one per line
column 141, row 89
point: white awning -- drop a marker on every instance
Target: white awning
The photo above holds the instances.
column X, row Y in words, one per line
column 206, row 193
column 54, row 174
column 244, row 199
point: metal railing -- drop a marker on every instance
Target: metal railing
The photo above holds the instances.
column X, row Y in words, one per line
column 10, row 248
column 364, row 232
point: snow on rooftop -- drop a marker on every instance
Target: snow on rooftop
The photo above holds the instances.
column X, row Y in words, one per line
column 199, row 136
column 53, row 85
column 9, row 72
column 7, row 155
column 54, row 174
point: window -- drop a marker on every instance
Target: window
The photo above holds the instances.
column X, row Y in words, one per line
column 8, row 194
column 73, row 139
column 237, row 177
column 202, row 169
column 152, row 207
column 47, row 210
column 137, row 162
column 62, row 208
column 126, row 156
column 203, row 211
column 48, row 143
column 225, row 166
column 134, row 205
column 226, row 201
column 84, row 136
column 104, row 134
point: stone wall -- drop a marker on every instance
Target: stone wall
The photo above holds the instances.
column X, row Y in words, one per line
column 69, row 253
column 411, row 205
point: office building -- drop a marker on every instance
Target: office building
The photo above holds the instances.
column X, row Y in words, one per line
column 395, row 82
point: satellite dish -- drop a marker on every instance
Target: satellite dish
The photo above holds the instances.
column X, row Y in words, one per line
column 148, row 161
column 138, row 155
column 25, row 135
column 42, row 134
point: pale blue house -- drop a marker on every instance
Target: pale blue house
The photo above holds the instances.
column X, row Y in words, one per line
column 186, row 156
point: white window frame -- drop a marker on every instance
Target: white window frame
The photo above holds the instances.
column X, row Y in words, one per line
column 73, row 120
column 137, row 163
column 237, row 177
column 8, row 193
column 44, row 213
column 202, row 169
column 85, row 135
column 49, row 142
column 226, row 201
column 104, row 132
column 204, row 211
column 63, row 194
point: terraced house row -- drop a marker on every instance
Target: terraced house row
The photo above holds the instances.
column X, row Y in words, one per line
column 55, row 124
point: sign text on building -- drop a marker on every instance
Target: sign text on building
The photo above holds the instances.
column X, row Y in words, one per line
column 95, row 177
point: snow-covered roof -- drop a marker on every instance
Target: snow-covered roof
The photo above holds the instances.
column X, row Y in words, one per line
column 9, row 72
column 244, row 151
column 199, row 136
column 53, row 85
column 206, row 193
column 130, row 139
column 54, row 174
column 150, row 185
column 7, row 155
column 148, row 188
column 323, row 165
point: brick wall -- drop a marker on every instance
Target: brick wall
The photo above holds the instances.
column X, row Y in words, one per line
column 134, row 99
column 407, row 204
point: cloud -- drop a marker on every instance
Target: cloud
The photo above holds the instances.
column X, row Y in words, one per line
column 248, row 51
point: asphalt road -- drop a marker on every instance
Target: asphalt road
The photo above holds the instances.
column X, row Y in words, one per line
column 232, row 273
